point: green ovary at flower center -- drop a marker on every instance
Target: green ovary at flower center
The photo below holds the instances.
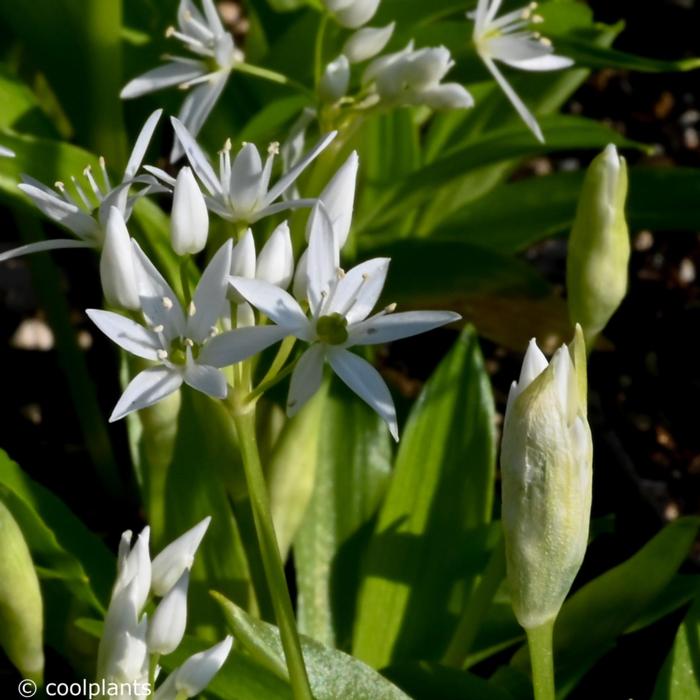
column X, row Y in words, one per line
column 178, row 350
column 332, row 329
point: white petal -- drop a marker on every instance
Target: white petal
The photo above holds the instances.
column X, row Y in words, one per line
column 196, row 673
column 213, row 19
column 126, row 333
column 167, row 626
column 306, row 378
column 243, row 258
column 301, row 277
column 276, row 260
column 275, row 303
column 338, row 196
column 210, row 295
column 145, row 389
column 239, row 344
column 141, row 145
column 323, row 260
column 280, row 207
column 159, row 303
column 246, row 173
column 117, row 270
column 286, row 181
column 189, row 218
column 41, row 246
column 197, row 158
column 169, row 564
column 197, row 106
column 161, row 175
column 335, row 79
column 136, row 570
column 543, row 63
column 384, row 329
column 367, row 43
column 447, row 96
column 515, row 100
column 533, row 365
column 357, row 293
column 208, row 380
column 367, row 383
column 358, row 13
column 173, row 73
column 6, row 152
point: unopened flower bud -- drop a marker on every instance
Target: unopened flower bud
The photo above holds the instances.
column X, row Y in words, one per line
column 546, row 464
column 447, row 96
column 117, row 269
column 276, row 259
column 301, row 277
column 367, row 43
column 168, row 623
column 599, row 246
column 352, row 13
column 338, row 197
column 189, row 219
column 196, row 673
column 335, row 79
column 21, row 608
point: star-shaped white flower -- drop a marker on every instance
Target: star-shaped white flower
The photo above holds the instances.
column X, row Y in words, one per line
column 340, row 306
column 511, row 40
column 185, row 345
column 242, row 192
column 204, row 35
column 85, row 212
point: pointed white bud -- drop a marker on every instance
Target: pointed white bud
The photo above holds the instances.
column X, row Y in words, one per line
column 196, row 673
column 189, row 219
column 301, row 277
column 245, row 316
column 534, row 364
column 447, row 96
column 117, row 269
column 367, row 43
column 130, row 659
column 353, row 13
column 169, row 565
column 276, row 259
column 243, row 263
column 168, row 623
column 335, row 79
column 339, row 198
column 135, row 569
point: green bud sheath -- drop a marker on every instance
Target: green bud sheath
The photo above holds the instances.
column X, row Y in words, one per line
column 599, row 246
column 21, row 608
column 546, row 464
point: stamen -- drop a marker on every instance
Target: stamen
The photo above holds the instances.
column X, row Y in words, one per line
column 191, row 309
column 60, row 186
column 167, row 303
column 105, row 174
column 340, row 272
column 537, row 19
column 390, row 308
column 80, row 192
column 170, row 31
column 162, row 354
column 159, row 328
column 213, row 331
column 545, row 41
column 273, row 149
column 88, row 174
column 189, row 342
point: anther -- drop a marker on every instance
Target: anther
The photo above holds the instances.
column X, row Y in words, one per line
column 191, row 309
column 167, row 303
column 162, row 354
column 159, row 328
column 273, row 149
column 60, row 186
column 169, row 32
column 391, row 308
column 544, row 41
column 340, row 272
column 189, row 342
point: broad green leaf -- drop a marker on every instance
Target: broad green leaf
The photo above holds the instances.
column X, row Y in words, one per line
column 679, row 678
column 332, row 674
column 21, row 111
column 352, row 469
column 430, row 536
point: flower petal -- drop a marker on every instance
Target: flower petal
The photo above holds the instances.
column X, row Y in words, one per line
column 142, row 141
column 276, row 260
column 367, row 42
column 197, row 158
column 388, row 327
column 41, row 246
column 274, row 302
column 542, row 63
column 145, row 389
column 367, row 383
column 210, row 295
column 357, row 293
column 127, row 334
column 234, row 346
column 246, row 172
column 306, row 378
column 338, row 196
column 208, row 380
column 170, row 74
column 323, row 259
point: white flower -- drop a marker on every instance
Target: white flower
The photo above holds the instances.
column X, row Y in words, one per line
column 85, row 212
column 196, row 673
column 275, row 264
column 335, row 79
column 340, row 306
column 510, row 39
column 352, row 13
column 242, row 191
column 6, row 152
column 185, row 346
column 117, row 269
column 413, row 77
column 367, row 42
column 205, row 36
column 167, row 626
column 178, row 556
column 189, row 218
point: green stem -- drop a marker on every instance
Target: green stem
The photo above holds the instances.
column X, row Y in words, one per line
column 539, row 640
column 185, row 279
column 272, row 76
column 244, row 420
column 280, row 359
column 318, row 51
column 261, row 388
column 476, row 607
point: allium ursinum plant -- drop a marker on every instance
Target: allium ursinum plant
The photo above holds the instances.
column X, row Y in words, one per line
column 131, row 644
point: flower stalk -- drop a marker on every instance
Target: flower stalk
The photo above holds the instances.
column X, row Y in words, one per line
column 539, row 640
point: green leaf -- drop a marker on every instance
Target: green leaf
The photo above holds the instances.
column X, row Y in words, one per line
column 430, row 535
column 332, row 673
column 679, row 678
column 614, row 603
column 352, row 469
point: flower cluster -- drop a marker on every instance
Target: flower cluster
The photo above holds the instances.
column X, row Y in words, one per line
column 131, row 643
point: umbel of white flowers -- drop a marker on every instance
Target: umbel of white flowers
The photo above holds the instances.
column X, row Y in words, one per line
column 204, row 35
column 85, row 211
column 511, row 40
column 131, row 644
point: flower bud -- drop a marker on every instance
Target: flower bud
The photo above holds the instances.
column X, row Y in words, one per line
column 169, row 565
column 21, row 607
column 301, row 277
column 189, row 218
column 196, row 673
column 168, row 623
column 367, row 43
column 599, row 246
column 447, row 96
column 134, row 568
column 352, row 13
column 339, row 198
column 117, row 269
column 276, row 259
column 335, row 79
column 546, row 464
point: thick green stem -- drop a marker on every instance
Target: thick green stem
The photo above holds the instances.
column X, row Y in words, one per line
column 244, row 420
column 539, row 640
